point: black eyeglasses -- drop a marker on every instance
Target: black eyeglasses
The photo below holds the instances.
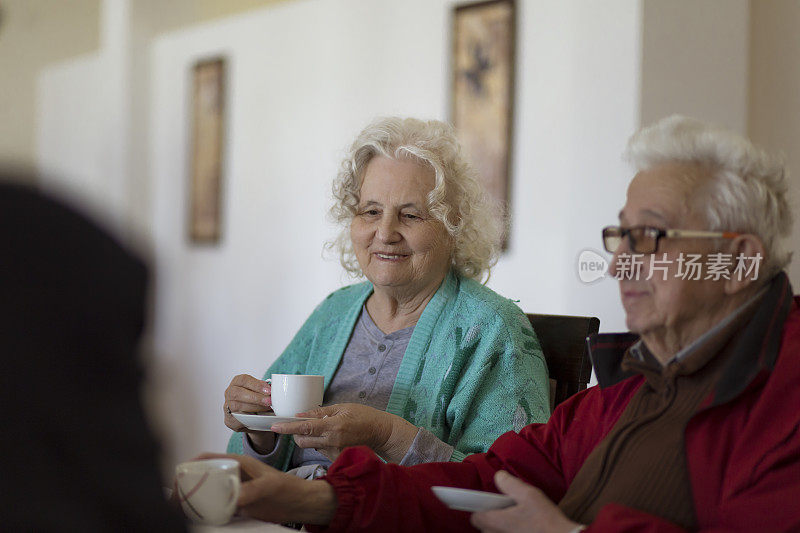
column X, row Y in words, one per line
column 644, row 239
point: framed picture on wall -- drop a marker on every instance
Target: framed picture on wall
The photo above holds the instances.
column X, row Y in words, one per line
column 208, row 120
column 483, row 89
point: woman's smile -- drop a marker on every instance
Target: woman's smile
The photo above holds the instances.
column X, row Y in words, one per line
column 390, row 257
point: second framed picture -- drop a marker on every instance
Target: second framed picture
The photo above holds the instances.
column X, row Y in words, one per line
column 483, row 89
column 208, row 128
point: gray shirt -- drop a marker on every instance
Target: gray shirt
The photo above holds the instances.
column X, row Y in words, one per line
column 366, row 375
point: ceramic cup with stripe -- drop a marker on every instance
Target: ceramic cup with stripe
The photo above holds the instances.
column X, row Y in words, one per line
column 208, row 489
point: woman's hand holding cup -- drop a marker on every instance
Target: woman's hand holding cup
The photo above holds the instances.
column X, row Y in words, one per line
column 246, row 394
column 250, row 395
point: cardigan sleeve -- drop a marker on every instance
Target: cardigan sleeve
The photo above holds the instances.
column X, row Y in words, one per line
column 504, row 386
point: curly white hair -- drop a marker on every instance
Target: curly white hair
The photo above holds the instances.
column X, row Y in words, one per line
column 458, row 199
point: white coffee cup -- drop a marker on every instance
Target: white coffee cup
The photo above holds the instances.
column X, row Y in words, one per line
column 208, row 489
column 292, row 394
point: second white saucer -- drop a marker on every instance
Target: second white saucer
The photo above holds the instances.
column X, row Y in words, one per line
column 263, row 422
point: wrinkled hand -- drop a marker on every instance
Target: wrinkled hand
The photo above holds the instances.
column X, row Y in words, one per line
column 273, row 496
column 533, row 512
column 248, row 395
column 349, row 424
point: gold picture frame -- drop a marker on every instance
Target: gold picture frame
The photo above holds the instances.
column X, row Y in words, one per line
column 208, row 123
column 482, row 103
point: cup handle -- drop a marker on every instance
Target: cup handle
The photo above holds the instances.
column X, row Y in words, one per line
column 235, row 485
column 269, row 380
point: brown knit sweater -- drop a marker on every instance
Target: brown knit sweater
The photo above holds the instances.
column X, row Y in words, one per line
column 641, row 463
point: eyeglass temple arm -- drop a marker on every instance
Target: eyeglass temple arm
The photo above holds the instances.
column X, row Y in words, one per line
column 697, row 233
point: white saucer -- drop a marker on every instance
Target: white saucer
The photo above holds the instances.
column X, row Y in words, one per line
column 471, row 500
column 264, row 422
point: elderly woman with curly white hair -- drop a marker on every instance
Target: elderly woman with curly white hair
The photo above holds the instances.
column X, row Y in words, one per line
column 422, row 362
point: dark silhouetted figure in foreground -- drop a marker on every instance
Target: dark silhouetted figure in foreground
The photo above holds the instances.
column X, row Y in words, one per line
column 76, row 453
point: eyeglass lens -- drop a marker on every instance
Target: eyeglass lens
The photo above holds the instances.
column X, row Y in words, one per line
column 640, row 239
column 611, row 241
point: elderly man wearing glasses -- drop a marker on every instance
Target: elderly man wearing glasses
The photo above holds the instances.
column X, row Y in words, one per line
column 695, row 422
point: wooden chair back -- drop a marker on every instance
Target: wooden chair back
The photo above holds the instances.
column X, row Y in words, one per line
column 563, row 339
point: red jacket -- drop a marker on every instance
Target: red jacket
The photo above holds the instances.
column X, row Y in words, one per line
column 742, row 445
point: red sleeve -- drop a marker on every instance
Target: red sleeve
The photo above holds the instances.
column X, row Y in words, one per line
column 555, row 452
column 377, row 496
column 373, row 495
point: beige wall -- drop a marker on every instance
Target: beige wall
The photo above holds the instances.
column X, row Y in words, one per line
column 775, row 94
column 33, row 34
column 173, row 14
column 695, row 60
column 37, row 33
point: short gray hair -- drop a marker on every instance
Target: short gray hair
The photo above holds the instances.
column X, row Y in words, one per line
column 458, row 199
column 747, row 192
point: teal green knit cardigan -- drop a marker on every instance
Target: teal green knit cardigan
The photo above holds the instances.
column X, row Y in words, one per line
column 473, row 368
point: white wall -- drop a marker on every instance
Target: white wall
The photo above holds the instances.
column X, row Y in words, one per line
column 577, row 103
column 82, row 132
